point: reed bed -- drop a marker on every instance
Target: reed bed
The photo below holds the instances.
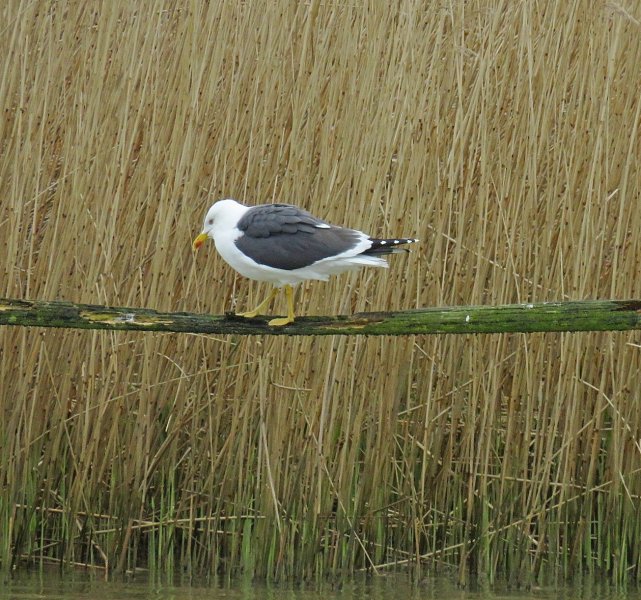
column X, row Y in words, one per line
column 504, row 135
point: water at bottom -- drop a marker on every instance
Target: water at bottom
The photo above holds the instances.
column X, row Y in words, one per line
column 51, row 584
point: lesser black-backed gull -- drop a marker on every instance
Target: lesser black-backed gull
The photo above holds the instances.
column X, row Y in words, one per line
column 285, row 245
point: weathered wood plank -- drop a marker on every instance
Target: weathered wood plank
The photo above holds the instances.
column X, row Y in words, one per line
column 587, row 315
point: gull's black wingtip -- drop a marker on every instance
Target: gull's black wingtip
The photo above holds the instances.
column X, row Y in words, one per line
column 389, row 245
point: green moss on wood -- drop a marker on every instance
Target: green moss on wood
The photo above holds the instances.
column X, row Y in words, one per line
column 588, row 315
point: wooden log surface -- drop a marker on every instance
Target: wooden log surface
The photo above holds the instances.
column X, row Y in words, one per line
column 586, row 315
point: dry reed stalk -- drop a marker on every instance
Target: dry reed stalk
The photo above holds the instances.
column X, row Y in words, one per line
column 504, row 135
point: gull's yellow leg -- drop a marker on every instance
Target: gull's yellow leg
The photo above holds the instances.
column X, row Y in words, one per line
column 260, row 309
column 289, row 292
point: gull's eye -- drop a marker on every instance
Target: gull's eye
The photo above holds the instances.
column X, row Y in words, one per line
column 210, row 221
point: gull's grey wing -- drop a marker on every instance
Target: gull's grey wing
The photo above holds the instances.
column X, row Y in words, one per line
column 286, row 237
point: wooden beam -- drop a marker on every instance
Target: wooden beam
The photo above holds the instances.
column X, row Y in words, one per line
column 587, row 315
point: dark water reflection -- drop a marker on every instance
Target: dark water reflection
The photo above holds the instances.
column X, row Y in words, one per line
column 74, row 586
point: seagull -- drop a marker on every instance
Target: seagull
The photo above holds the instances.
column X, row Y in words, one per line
column 284, row 245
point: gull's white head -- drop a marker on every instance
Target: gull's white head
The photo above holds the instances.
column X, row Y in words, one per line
column 222, row 216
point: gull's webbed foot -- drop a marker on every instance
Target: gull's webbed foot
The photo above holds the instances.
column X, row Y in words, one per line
column 279, row 322
column 261, row 308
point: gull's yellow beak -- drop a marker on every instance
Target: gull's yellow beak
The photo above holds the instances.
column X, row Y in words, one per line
column 199, row 241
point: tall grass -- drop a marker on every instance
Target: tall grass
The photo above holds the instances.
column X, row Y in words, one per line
column 503, row 134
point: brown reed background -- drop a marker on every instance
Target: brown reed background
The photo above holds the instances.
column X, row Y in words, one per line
column 505, row 135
